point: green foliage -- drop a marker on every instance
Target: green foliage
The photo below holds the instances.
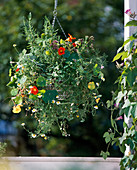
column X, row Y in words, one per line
column 12, row 82
column 2, row 148
column 131, row 76
column 41, row 81
column 131, row 23
column 123, row 54
column 125, row 99
column 18, row 100
column 49, row 96
column 104, row 154
column 103, row 19
column 14, row 92
column 108, row 136
column 32, row 97
column 54, row 78
column 22, row 80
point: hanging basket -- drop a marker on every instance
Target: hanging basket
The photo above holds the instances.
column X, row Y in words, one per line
column 55, row 80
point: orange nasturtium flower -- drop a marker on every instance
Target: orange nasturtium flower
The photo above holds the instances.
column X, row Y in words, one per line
column 16, row 109
column 34, row 90
column 70, row 38
column 61, row 51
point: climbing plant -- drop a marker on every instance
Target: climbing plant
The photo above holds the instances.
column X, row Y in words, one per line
column 124, row 101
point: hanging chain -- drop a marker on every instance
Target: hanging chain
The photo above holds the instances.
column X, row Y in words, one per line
column 61, row 28
column 55, row 12
column 55, row 18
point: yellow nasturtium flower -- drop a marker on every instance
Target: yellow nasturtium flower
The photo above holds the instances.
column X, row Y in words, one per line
column 62, row 41
column 16, row 109
column 42, row 91
column 136, row 51
column 97, row 100
column 91, row 85
column 43, row 35
column 47, row 53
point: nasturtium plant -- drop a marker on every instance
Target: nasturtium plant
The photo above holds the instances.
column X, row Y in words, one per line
column 41, row 81
column 14, row 92
column 50, row 96
column 56, row 80
column 124, row 102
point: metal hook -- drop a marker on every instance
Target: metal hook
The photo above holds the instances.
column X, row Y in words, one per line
column 55, row 18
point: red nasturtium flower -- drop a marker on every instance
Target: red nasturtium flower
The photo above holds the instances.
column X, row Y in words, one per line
column 61, row 51
column 70, row 38
column 74, row 45
column 17, row 69
column 34, row 90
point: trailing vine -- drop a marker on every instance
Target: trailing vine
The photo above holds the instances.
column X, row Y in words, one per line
column 124, row 101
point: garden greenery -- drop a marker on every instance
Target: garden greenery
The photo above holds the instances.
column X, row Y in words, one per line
column 2, row 148
column 125, row 100
column 55, row 80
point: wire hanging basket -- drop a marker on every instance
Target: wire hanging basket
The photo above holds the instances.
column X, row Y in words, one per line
column 55, row 80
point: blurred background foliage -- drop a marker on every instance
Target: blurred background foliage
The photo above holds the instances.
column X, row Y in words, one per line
column 103, row 20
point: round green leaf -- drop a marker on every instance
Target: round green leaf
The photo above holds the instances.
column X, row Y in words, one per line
column 72, row 57
column 18, row 100
column 67, row 54
column 14, row 92
column 23, row 79
column 41, row 81
column 49, row 95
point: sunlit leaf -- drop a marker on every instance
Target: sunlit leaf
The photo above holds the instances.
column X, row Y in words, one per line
column 23, row 79
column 12, row 82
column 119, row 55
column 14, row 92
column 18, row 100
column 131, row 23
